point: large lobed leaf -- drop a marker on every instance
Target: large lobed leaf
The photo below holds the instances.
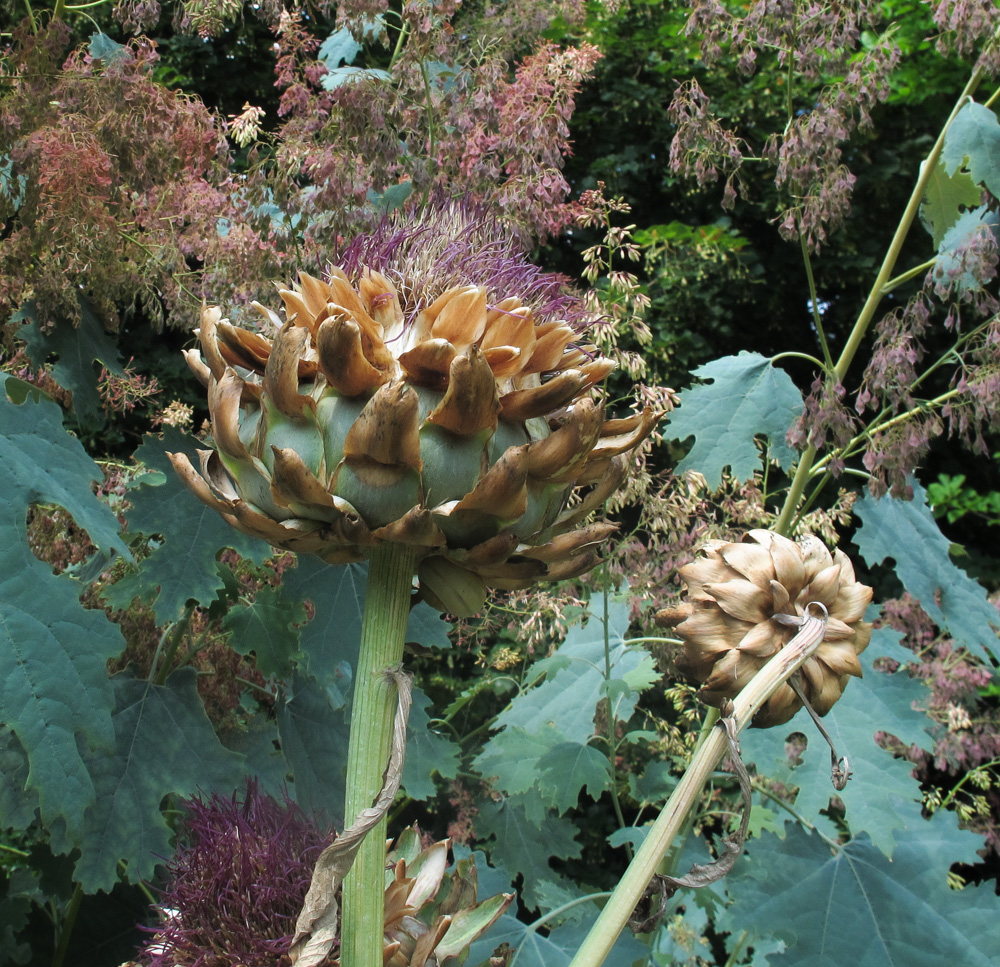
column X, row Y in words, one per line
column 182, row 566
column 853, row 905
column 54, row 691
column 907, row 532
column 946, row 198
column 972, row 142
column 882, row 799
column 164, row 745
column 76, row 350
column 543, row 745
column 747, row 397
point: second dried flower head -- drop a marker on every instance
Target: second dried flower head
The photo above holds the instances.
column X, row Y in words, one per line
column 731, row 621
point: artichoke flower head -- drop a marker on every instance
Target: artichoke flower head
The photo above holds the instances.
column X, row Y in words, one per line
column 740, row 596
column 436, row 390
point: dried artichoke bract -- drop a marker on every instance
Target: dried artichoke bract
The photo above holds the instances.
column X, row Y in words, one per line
column 377, row 410
column 731, row 621
column 432, row 916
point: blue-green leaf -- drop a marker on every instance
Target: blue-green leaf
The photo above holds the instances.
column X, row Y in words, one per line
column 339, row 48
column 314, row 737
column 524, row 845
column 568, row 767
column 76, row 349
column 973, row 142
column 264, row 627
column 852, row 905
column 747, row 398
column 427, row 752
column 907, row 532
column 337, row 593
column 182, row 566
column 882, row 799
column 164, row 744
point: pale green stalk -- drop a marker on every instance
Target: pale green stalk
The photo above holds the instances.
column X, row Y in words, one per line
column 673, row 818
column 883, row 282
column 383, row 631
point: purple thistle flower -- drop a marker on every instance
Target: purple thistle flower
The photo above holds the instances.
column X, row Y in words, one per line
column 452, row 244
column 235, row 891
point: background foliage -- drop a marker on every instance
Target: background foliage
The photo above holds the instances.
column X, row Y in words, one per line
column 149, row 653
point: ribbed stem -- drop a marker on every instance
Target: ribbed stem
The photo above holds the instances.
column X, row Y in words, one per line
column 383, row 629
column 627, row 894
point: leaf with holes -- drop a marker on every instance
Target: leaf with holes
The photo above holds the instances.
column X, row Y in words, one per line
column 746, row 398
column 77, row 348
column 182, row 565
column 946, row 198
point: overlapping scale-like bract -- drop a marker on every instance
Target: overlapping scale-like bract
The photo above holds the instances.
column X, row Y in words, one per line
column 731, row 621
column 461, row 428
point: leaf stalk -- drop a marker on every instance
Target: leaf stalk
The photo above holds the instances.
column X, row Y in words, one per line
column 671, row 820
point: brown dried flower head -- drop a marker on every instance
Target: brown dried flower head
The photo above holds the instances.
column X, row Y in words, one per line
column 454, row 421
column 732, row 624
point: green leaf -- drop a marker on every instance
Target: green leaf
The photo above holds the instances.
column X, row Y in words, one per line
column 45, row 464
column 427, row 752
column 747, row 398
column 182, row 567
column 854, row 906
column 76, row 349
column 256, row 740
column 557, row 947
column 339, row 48
column 164, row 744
column 314, row 737
column 973, row 142
column 951, row 268
column 264, row 627
column 566, row 700
column 18, row 801
column 53, row 676
column 523, row 845
column 907, row 532
column 511, row 758
column 102, row 47
column 337, row 593
column 569, row 767
column 427, row 627
column 882, row 799
column 947, row 196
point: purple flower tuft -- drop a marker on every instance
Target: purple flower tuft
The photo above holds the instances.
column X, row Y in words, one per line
column 452, row 244
column 235, row 891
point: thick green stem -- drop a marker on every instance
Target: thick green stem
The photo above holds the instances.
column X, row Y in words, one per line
column 685, row 796
column 383, row 630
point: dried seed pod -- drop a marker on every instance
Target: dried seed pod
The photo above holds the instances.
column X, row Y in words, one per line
column 735, row 617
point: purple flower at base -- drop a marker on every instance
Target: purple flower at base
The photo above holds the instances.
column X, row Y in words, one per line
column 234, row 892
